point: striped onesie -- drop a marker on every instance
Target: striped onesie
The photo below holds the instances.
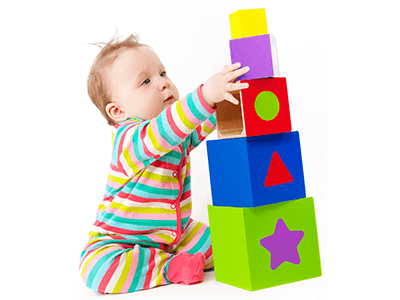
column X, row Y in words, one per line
column 144, row 219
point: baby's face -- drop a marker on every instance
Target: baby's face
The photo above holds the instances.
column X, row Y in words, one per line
column 139, row 85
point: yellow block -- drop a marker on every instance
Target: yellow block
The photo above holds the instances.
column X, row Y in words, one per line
column 248, row 22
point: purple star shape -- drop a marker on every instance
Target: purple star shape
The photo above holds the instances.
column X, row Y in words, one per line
column 283, row 245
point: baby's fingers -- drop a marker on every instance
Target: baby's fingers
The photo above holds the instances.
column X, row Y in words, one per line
column 237, row 86
column 228, row 97
column 235, row 74
column 229, row 68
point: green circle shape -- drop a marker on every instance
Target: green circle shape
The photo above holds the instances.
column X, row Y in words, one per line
column 267, row 105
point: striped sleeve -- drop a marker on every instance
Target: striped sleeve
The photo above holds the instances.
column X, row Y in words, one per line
column 138, row 144
column 201, row 132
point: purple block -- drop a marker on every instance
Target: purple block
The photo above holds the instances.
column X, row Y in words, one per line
column 257, row 52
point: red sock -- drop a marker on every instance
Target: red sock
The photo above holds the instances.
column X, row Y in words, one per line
column 186, row 268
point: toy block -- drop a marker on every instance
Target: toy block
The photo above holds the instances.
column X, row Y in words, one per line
column 257, row 52
column 263, row 109
column 266, row 246
column 256, row 171
column 248, row 22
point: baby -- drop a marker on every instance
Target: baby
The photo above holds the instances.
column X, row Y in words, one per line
column 143, row 235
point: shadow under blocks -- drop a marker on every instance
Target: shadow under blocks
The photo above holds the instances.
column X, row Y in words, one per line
column 256, row 172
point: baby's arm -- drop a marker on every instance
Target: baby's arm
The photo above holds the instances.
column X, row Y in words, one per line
column 201, row 132
column 138, row 144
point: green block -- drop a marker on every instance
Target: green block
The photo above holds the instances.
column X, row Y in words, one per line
column 288, row 229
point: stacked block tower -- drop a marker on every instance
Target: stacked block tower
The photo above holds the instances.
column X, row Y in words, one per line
column 263, row 227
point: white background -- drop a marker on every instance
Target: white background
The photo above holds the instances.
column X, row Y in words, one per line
column 341, row 61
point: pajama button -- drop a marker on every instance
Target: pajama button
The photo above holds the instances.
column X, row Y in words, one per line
column 173, row 206
column 175, row 174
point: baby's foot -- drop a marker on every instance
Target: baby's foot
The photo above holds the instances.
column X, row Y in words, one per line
column 186, row 268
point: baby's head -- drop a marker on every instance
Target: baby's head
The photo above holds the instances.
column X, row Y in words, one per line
column 128, row 80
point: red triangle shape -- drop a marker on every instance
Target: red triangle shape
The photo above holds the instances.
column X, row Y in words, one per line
column 277, row 172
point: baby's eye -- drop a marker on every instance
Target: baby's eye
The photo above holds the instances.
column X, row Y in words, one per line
column 163, row 74
column 146, row 81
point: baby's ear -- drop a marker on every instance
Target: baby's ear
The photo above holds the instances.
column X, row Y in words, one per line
column 115, row 112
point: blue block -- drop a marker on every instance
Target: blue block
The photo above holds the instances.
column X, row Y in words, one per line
column 239, row 167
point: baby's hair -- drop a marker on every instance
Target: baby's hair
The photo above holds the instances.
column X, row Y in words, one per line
column 97, row 88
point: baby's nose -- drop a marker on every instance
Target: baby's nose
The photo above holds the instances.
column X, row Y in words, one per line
column 163, row 84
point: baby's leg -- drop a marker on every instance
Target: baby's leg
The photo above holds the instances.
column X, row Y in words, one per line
column 195, row 238
column 111, row 267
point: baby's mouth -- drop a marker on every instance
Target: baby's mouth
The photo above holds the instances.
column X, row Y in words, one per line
column 169, row 99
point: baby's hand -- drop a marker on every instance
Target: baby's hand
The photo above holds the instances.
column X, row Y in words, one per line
column 218, row 87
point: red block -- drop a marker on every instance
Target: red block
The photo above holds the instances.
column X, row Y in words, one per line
column 263, row 109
